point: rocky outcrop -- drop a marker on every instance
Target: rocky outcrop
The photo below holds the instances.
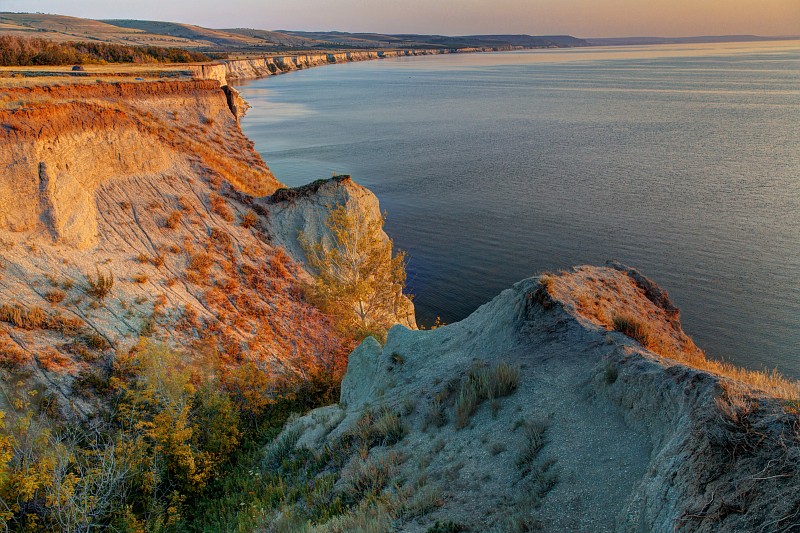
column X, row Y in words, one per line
column 598, row 434
column 306, row 209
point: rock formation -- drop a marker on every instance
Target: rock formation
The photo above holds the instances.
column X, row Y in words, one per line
column 305, row 209
column 154, row 184
column 592, row 432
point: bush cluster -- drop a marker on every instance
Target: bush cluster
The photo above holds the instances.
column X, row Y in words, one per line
column 21, row 51
column 170, row 438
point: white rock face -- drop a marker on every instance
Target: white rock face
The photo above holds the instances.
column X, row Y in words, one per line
column 306, row 209
column 637, row 442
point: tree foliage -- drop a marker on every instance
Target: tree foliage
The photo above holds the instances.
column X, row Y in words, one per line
column 358, row 281
column 21, row 51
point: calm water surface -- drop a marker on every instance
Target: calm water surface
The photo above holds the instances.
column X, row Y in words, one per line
column 681, row 161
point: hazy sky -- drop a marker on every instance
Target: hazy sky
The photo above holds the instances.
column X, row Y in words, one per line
column 582, row 18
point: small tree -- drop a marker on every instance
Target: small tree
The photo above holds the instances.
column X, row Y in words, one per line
column 357, row 280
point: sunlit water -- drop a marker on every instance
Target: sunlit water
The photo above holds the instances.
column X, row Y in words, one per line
column 682, row 161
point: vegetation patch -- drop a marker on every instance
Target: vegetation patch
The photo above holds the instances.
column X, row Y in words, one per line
column 100, row 285
column 634, row 328
column 446, row 526
column 21, row 51
column 55, row 296
column 357, row 281
column 483, row 384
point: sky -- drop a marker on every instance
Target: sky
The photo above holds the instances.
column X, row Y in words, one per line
column 581, row 18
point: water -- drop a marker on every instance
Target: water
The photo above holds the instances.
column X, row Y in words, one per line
column 681, row 161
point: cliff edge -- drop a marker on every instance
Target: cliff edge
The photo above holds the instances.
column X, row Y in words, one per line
column 139, row 210
column 61, row 144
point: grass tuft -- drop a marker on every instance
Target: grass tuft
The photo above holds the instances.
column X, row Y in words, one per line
column 484, row 384
column 99, row 286
column 634, row 328
column 55, row 296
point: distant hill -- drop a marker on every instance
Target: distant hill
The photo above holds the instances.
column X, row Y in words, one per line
column 61, row 28
column 275, row 38
column 379, row 40
column 190, row 32
column 247, row 40
column 627, row 41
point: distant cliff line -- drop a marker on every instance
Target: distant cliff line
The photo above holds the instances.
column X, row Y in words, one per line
column 230, row 70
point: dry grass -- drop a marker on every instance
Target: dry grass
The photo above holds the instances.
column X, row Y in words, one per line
column 30, row 318
column 220, row 206
column 54, row 361
column 366, row 478
column 23, row 317
column 634, row 328
column 467, row 403
column 55, row 296
column 534, row 433
column 99, row 286
column 614, row 300
column 435, row 414
column 389, row 427
column 769, row 382
column 249, row 219
column 483, row 384
column 199, row 268
column 140, row 278
column 12, row 357
column 173, row 220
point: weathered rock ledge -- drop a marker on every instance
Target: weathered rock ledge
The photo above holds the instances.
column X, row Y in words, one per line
column 633, row 441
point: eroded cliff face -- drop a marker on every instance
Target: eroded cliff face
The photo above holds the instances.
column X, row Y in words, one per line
column 60, row 144
column 240, row 69
column 597, row 433
column 154, row 185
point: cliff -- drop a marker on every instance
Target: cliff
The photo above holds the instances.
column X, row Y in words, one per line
column 571, row 402
column 154, row 185
column 239, row 69
column 535, row 414
column 60, row 145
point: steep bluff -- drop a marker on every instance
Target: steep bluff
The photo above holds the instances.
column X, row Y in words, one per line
column 240, row 69
column 533, row 414
column 154, row 185
column 60, row 144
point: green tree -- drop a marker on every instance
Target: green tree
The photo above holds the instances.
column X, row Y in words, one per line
column 358, row 281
